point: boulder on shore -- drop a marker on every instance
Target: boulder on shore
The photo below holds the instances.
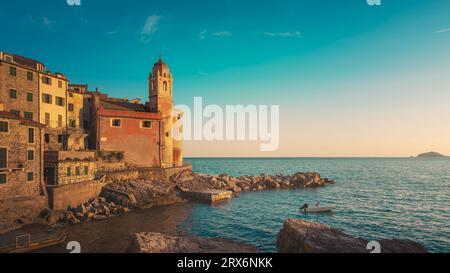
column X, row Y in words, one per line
column 152, row 242
column 299, row 236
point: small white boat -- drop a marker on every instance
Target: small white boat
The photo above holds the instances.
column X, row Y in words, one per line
column 318, row 209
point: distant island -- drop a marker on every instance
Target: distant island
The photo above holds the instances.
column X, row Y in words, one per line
column 431, row 154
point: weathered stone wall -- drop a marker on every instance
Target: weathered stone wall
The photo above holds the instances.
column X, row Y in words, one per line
column 52, row 137
column 73, row 195
column 121, row 175
column 161, row 173
column 64, row 178
column 16, row 143
column 17, row 211
column 22, row 85
column 171, row 171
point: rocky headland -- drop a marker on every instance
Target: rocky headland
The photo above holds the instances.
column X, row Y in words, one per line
column 431, row 155
column 299, row 236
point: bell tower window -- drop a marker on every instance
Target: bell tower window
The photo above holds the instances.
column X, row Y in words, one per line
column 165, row 86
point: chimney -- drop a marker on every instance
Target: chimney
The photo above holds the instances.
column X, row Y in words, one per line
column 2, row 106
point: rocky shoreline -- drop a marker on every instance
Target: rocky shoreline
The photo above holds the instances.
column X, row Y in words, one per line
column 120, row 197
column 296, row 236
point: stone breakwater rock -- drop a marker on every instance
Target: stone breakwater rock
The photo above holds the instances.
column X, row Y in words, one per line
column 189, row 181
column 151, row 242
column 97, row 209
column 146, row 193
column 299, row 236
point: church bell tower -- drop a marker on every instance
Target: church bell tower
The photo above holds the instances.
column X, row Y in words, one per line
column 161, row 101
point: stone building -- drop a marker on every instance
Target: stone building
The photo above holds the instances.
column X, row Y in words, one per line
column 77, row 135
column 142, row 132
column 129, row 128
column 19, row 85
column 22, row 189
column 71, row 178
column 32, row 92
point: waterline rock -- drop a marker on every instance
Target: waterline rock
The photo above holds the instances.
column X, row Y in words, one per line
column 152, row 242
column 299, row 236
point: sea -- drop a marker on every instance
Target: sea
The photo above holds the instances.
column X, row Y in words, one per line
column 375, row 198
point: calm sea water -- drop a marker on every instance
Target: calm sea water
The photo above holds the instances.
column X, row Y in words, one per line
column 376, row 198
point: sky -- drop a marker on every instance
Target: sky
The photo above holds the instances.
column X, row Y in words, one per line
column 350, row 79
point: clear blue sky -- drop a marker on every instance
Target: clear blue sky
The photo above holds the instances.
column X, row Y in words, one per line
column 304, row 55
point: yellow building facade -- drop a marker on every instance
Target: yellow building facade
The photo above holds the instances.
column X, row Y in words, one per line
column 53, row 99
column 75, row 108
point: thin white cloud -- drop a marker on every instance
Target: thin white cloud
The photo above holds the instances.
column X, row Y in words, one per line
column 112, row 32
column 442, row 30
column 296, row 34
column 150, row 27
column 221, row 34
column 218, row 34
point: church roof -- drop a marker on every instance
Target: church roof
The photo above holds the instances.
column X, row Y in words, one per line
column 119, row 105
column 161, row 63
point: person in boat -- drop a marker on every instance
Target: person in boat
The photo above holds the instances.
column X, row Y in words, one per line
column 317, row 204
column 304, row 207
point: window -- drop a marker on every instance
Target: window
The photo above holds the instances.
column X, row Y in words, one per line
column 77, row 171
column 29, row 96
column 70, row 107
column 3, row 158
column 13, row 93
column 165, row 86
column 46, row 80
column 46, row 98
column 2, row 178
column 47, row 138
column 60, row 121
column 60, row 139
column 30, row 135
column 86, row 170
column 30, row 177
column 30, row 155
column 73, row 123
column 15, row 112
column 47, row 119
column 12, row 71
column 59, row 101
column 28, row 115
column 69, row 171
column 146, row 124
column 3, row 127
column 60, row 84
column 116, row 123
column 30, row 76
column 71, row 94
